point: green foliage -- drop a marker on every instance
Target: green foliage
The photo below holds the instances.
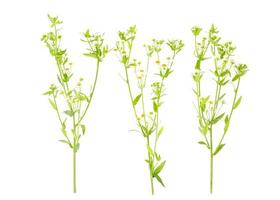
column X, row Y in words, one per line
column 218, row 149
column 137, row 98
column 97, row 49
column 196, row 30
column 148, row 121
column 225, row 72
column 69, row 95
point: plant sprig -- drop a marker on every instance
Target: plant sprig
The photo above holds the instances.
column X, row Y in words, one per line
column 225, row 72
column 148, row 121
column 67, row 99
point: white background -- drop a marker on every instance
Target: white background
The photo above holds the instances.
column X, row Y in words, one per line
column 34, row 165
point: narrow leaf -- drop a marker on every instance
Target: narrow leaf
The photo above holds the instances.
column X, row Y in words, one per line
column 160, row 132
column 66, row 142
column 218, row 118
column 218, row 149
column 203, row 143
column 59, row 79
column 155, row 106
column 221, row 97
column 90, row 55
column 224, row 73
column 147, row 161
column 48, row 93
column 63, row 141
column 69, row 113
column 144, row 130
column 52, row 104
column 137, row 98
column 237, row 103
column 197, row 65
column 63, row 129
column 150, row 150
column 159, row 180
column 203, row 129
column 236, row 77
column 226, row 124
column 194, row 91
column 159, row 168
column 76, row 148
column 83, row 128
column 157, row 156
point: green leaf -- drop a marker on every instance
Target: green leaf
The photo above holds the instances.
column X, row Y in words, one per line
column 214, row 121
column 63, row 128
column 167, row 73
column 203, row 129
column 218, row 149
column 66, row 142
column 83, row 128
column 124, row 59
column 226, row 124
column 203, row 101
column 81, row 96
column 87, row 34
column 53, row 104
column 155, row 106
column 65, row 77
column 63, row 141
column 197, row 65
column 159, row 180
column 59, row 79
column 150, row 150
column 237, row 103
column 224, row 73
column 90, row 55
column 196, row 30
column 76, row 147
column 160, row 132
column 159, row 168
column 221, row 97
column 202, row 142
column 48, row 93
column 235, row 77
column 224, row 82
column 195, row 92
column 136, row 99
column 145, row 131
column 157, row 156
column 69, row 113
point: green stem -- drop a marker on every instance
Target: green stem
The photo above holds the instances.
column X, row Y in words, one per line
column 217, row 96
column 65, row 87
column 157, row 114
column 230, row 115
column 156, row 119
column 218, row 90
column 74, row 169
column 135, row 114
column 199, row 109
column 128, row 82
column 91, row 93
column 59, row 117
column 150, row 166
column 148, row 145
column 142, row 92
column 211, row 162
